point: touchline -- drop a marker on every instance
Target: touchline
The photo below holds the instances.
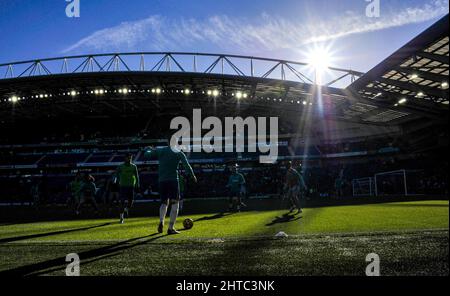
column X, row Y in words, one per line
column 191, row 139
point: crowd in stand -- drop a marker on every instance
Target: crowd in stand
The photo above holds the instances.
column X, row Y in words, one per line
column 366, row 144
column 261, row 180
column 321, row 176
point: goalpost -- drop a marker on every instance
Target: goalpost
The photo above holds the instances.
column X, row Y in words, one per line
column 363, row 186
column 398, row 182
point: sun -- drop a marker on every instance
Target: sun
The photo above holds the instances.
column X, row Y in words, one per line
column 319, row 58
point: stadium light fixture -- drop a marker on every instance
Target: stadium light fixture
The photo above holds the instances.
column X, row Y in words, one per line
column 402, row 101
column 420, row 94
column 215, row 93
column 158, row 90
column 239, row 95
column 209, row 92
column 73, row 93
column 187, row 91
column 444, row 84
column 14, row 99
column 304, row 103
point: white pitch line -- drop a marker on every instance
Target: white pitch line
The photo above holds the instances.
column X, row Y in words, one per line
column 182, row 239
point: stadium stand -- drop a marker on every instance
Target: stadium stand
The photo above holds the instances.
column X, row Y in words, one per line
column 392, row 118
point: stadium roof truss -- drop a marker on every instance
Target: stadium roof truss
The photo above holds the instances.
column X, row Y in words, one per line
column 184, row 62
column 45, row 84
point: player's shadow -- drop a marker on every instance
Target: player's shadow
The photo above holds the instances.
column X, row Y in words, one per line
column 86, row 257
column 216, row 216
column 284, row 219
column 31, row 236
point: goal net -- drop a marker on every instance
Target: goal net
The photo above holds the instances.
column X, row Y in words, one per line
column 399, row 182
column 363, row 186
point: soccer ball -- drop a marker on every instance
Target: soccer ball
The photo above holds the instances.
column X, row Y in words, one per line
column 188, row 223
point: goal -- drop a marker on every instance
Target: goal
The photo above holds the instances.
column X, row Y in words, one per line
column 363, row 186
column 399, row 182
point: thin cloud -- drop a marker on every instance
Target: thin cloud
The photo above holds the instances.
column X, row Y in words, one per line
column 266, row 33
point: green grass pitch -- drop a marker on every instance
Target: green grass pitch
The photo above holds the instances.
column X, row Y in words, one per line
column 411, row 238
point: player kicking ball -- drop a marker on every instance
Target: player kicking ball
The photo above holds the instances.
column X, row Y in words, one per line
column 169, row 158
column 294, row 187
column 128, row 179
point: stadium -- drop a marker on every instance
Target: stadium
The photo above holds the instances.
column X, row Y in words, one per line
column 371, row 148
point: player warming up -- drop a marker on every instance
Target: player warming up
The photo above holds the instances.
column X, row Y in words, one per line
column 128, row 179
column 88, row 190
column 236, row 183
column 294, row 187
column 169, row 158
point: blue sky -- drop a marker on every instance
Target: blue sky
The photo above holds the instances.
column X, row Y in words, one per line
column 284, row 29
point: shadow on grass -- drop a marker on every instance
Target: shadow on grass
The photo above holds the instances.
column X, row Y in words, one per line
column 31, row 236
column 212, row 217
column 284, row 219
column 86, row 257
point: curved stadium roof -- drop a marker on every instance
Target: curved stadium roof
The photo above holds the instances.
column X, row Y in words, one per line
column 413, row 81
column 410, row 85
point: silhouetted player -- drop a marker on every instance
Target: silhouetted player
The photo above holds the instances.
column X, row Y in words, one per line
column 169, row 158
column 294, row 186
column 236, row 183
column 128, row 179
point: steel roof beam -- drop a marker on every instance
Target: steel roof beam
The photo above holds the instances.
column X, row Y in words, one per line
column 443, row 59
